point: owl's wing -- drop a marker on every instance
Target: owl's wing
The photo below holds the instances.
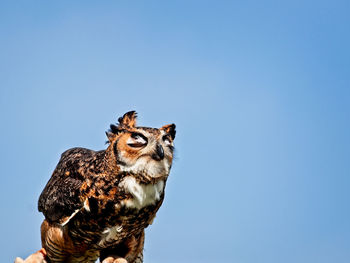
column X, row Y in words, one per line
column 60, row 198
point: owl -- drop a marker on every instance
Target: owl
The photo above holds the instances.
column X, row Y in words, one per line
column 97, row 204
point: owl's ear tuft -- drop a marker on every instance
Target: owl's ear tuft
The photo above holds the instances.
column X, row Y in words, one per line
column 110, row 136
column 171, row 129
column 128, row 119
column 114, row 129
column 112, row 132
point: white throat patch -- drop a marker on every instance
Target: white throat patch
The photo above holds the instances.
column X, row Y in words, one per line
column 143, row 194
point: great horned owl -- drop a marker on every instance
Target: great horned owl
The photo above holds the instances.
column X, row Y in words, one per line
column 98, row 203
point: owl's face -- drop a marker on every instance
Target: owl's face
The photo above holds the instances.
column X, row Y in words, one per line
column 147, row 152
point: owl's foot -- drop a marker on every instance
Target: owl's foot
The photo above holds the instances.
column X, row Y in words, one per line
column 37, row 257
column 114, row 260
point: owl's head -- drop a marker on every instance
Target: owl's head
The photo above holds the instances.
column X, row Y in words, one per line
column 143, row 151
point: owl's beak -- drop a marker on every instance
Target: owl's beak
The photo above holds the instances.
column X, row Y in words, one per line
column 159, row 153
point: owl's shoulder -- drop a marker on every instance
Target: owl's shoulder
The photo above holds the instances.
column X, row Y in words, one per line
column 80, row 159
column 79, row 153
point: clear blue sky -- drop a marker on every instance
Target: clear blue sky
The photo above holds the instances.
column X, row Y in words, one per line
column 260, row 93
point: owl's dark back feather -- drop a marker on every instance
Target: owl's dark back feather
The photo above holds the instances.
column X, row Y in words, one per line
column 61, row 195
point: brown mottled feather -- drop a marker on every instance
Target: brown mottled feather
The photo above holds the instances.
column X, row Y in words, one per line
column 91, row 201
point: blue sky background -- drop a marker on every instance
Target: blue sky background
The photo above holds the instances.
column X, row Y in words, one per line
column 260, row 93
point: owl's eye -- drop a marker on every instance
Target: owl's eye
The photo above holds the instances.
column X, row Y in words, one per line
column 137, row 140
column 167, row 140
